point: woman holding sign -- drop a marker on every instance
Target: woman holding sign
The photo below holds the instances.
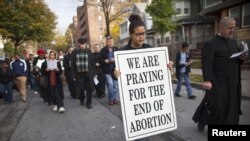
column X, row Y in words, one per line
column 137, row 38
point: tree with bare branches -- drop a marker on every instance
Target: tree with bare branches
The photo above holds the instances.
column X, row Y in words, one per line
column 112, row 10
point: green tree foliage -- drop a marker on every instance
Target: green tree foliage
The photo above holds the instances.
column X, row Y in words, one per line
column 24, row 20
column 69, row 35
column 162, row 12
column 9, row 49
column 59, row 43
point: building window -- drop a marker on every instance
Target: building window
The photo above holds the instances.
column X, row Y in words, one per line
column 246, row 15
column 158, row 41
column 177, row 38
column 182, row 8
column 178, row 7
column 167, row 39
column 235, row 14
column 186, row 7
column 209, row 3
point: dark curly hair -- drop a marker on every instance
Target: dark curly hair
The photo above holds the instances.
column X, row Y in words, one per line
column 135, row 21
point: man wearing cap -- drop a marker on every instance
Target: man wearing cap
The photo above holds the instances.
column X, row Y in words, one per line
column 37, row 64
column 183, row 63
column 83, row 72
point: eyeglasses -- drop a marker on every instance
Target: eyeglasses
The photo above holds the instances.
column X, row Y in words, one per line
column 139, row 34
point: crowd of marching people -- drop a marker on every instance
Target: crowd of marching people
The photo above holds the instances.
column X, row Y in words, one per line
column 86, row 70
column 82, row 69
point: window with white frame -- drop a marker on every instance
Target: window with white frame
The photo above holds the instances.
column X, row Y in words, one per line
column 158, row 41
column 186, row 7
column 209, row 3
column 235, row 14
column 167, row 39
column 246, row 15
column 178, row 7
column 182, row 8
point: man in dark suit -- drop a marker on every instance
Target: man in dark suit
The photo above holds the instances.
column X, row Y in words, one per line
column 83, row 72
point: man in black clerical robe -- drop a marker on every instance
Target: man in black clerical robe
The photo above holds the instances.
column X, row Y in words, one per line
column 221, row 74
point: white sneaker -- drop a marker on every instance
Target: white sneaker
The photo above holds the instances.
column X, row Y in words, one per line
column 24, row 99
column 35, row 92
column 61, row 110
column 55, row 108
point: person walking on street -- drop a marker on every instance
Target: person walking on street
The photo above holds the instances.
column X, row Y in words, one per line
column 83, row 72
column 36, row 73
column 6, row 82
column 67, row 60
column 52, row 68
column 19, row 69
column 32, row 80
column 183, row 67
column 222, row 79
column 100, row 86
column 107, row 60
column 137, row 38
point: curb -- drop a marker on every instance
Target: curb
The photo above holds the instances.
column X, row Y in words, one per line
column 193, row 84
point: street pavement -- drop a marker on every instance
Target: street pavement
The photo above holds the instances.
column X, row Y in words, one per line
column 36, row 121
column 41, row 123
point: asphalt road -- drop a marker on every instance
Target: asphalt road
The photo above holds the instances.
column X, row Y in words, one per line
column 36, row 121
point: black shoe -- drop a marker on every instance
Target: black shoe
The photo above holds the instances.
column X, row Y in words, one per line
column 191, row 97
column 89, row 106
column 201, row 126
column 177, row 95
column 82, row 103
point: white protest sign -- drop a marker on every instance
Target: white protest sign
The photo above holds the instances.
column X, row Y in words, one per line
column 146, row 94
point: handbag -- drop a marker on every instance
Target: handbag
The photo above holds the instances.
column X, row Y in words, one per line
column 44, row 81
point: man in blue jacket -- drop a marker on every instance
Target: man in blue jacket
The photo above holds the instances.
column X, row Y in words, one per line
column 183, row 63
column 19, row 69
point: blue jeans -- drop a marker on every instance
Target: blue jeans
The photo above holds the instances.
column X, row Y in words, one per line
column 112, row 87
column 187, row 83
column 7, row 87
column 33, row 83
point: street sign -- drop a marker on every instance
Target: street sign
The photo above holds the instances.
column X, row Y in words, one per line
column 146, row 94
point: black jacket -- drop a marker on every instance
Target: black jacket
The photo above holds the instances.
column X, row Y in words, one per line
column 129, row 47
column 104, row 54
column 91, row 66
column 58, row 73
column 6, row 77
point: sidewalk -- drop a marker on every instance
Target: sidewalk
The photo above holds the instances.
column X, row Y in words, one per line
column 196, row 71
column 11, row 115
